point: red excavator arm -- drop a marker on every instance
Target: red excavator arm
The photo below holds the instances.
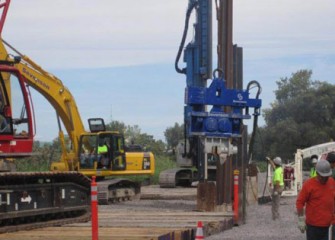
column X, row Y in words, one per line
column 4, row 5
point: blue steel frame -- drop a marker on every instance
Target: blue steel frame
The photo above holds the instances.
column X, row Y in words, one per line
column 217, row 122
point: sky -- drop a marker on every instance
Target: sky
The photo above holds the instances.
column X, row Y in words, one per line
column 117, row 56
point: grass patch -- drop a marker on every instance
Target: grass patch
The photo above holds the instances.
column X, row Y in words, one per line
column 31, row 165
column 163, row 163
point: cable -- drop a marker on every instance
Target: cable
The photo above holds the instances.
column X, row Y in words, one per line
column 256, row 114
column 190, row 8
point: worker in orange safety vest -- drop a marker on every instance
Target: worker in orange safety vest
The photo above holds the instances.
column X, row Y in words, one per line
column 317, row 197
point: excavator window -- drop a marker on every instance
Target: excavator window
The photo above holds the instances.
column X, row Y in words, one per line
column 96, row 151
column 103, row 151
column 96, row 125
column 18, row 108
column 87, row 151
column 118, row 153
column 15, row 114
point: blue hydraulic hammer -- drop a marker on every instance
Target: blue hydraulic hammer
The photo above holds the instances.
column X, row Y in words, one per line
column 217, row 122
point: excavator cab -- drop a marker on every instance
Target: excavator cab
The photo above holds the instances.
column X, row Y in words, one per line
column 16, row 130
column 103, row 150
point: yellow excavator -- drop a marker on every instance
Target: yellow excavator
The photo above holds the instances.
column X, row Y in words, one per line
column 98, row 152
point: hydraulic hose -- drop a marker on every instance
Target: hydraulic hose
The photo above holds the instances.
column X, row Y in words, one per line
column 255, row 122
column 185, row 142
column 190, row 8
column 254, row 82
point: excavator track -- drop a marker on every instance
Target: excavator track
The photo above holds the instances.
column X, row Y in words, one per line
column 117, row 190
column 171, row 178
column 31, row 200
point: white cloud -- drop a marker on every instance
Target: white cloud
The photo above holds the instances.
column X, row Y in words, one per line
column 118, row 33
column 82, row 27
column 285, row 28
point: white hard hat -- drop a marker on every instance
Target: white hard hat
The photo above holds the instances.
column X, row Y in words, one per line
column 314, row 159
column 323, row 168
column 277, row 161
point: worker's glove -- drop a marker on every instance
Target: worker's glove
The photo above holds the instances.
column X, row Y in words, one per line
column 301, row 224
column 275, row 193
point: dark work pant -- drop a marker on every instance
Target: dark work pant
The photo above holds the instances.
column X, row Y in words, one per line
column 317, row 233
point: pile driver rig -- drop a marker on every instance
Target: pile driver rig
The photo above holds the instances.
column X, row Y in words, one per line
column 215, row 107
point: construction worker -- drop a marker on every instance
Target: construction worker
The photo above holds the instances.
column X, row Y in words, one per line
column 102, row 148
column 278, row 186
column 314, row 160
column 103, row 154
column 317, row 197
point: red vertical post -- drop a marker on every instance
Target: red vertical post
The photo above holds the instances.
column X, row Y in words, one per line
column 236, row 197
column 94, row 208
column 5, row 6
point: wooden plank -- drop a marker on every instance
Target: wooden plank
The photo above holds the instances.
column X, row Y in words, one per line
column 107, row 212
column 154, row 192
column 174, row 231
column 65, row 233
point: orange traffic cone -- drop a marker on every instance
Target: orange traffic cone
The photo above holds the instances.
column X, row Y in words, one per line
column 200, row 233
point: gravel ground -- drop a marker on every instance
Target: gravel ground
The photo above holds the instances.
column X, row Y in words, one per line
column 260, row 226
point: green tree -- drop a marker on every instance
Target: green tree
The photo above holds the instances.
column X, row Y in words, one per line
column 134, row 135
column 116, row 126
column 173, row 135
column 301, row 116
column 150, row 144
column 43, row 155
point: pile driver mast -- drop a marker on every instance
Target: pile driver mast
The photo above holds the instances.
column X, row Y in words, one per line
column 215, row 103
